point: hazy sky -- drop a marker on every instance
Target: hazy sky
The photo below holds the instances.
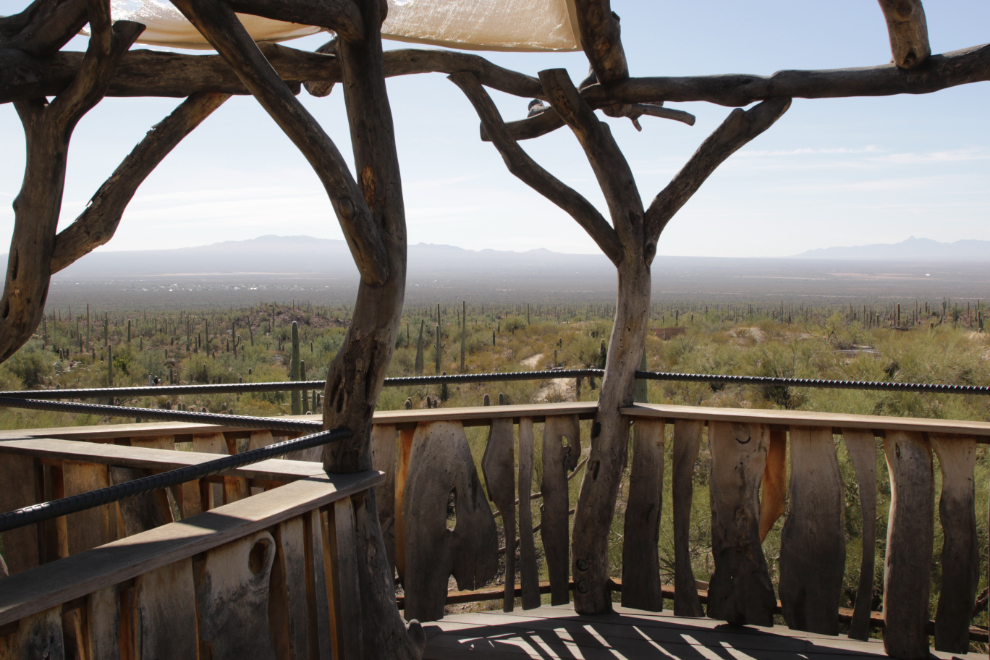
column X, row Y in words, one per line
column 830, row 172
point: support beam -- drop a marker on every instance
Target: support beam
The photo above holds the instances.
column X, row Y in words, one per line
column 908, row 32
column 599, row 28
column 341, row 16
column 44, row 27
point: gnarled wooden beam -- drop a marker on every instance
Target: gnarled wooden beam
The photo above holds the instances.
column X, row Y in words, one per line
column 908, row 32
column 739, row 128
column 527, row 170
column 218, row 23
column 599, row 28
column 44, row 27
column 152, row 73
column 548, row 121
column 47, row 130
column 97, row 224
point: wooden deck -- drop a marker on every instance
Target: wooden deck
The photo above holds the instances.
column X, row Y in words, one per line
column 557, row 632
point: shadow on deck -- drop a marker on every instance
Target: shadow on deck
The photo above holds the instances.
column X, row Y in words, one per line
column 557, row 632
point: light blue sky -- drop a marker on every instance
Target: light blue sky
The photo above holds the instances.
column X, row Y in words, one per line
column 830, row 172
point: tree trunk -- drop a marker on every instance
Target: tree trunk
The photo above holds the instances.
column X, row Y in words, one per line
column 357, row 373
column 610, row 439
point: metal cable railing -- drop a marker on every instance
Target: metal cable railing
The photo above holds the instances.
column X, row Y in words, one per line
column 457, row 379
column 75, row 503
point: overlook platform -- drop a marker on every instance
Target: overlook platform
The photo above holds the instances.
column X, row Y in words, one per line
column 628, row 634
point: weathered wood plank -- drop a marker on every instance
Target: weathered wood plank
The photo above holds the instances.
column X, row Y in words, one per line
column 862, row 448
column 38, row 636
column 401, row 475
column 440, row 463
column 812, row 542
column 154, row 441
column 141, row 512
column 288, row 609
column 960, row 553
column 773, row 500
column 20, row 489
column 92, row 527
column 232, row 599
column 346, row 600
column 561, row 451
column 910, row 534
column 210, row 443
column 32, row 591
column 640, row 545
column 740, row 590
column 383, row 458
column 529, row 575
column 317, row 594
column 498, row 464
column 164, row 617
column 103, row 625
column 687, row 443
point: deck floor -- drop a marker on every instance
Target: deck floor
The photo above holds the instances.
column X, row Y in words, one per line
column 557, row 632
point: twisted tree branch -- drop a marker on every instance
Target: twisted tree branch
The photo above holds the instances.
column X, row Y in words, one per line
column 529, row 172
column 739, row 128
column 607, row 161
column 599, row 27
column 44, row 27
column 220, row 26
column 341, row 16
column 96, row 225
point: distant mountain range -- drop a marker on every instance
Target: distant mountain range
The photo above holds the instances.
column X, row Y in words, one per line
column 913, row 249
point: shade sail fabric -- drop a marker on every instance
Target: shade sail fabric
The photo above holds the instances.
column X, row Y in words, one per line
column 514, row 25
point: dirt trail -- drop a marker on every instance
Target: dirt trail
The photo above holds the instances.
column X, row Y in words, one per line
column 557, row 390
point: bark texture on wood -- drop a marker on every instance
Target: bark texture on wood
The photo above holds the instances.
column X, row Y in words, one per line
column 812, row 542
column 98, row 222
column 164, row 614
column 499, row 467
column 561, row 452
column 641, row 588
column 288, row 612
column 520, row 164
column 102, row 634
column 738, row 128
column 740, row 590
column 862, row 448
column 47, row 130
column 687, row 443
column 599, row 28
column 21, row 488
column 37, row 636
column 341, row 16
column 910, row 534
column 44, row 27
column 773, row 501
column 441, row 464
column 529, row 576
column 908, row 30
column 960, row 552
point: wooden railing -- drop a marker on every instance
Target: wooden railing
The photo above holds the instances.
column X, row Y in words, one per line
column 428, row 455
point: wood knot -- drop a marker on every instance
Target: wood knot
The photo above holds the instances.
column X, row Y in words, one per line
column 346, row 208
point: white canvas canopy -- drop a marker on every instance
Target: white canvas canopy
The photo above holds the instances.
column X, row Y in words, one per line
column 513, row 25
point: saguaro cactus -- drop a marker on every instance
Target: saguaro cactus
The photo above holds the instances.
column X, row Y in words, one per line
column 294, row 369
column 302, row 376
column 463, row 331
column 419, row 348
column 439, row 349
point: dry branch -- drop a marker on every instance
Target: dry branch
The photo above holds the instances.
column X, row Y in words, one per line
column 549, row 121
column 908, row 32
column 47, row 130
column 218, row 23
column 153, row 73
column 97, row 224
column 527, row 170
column 739, row 128
column 341, row 16
column 44, row 27
column 607, row 161
column 599, row 27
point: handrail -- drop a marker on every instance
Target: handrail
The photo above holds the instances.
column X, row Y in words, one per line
column 74, row 503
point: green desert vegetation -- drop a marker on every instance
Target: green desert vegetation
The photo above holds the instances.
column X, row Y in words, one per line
column 932, row 343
